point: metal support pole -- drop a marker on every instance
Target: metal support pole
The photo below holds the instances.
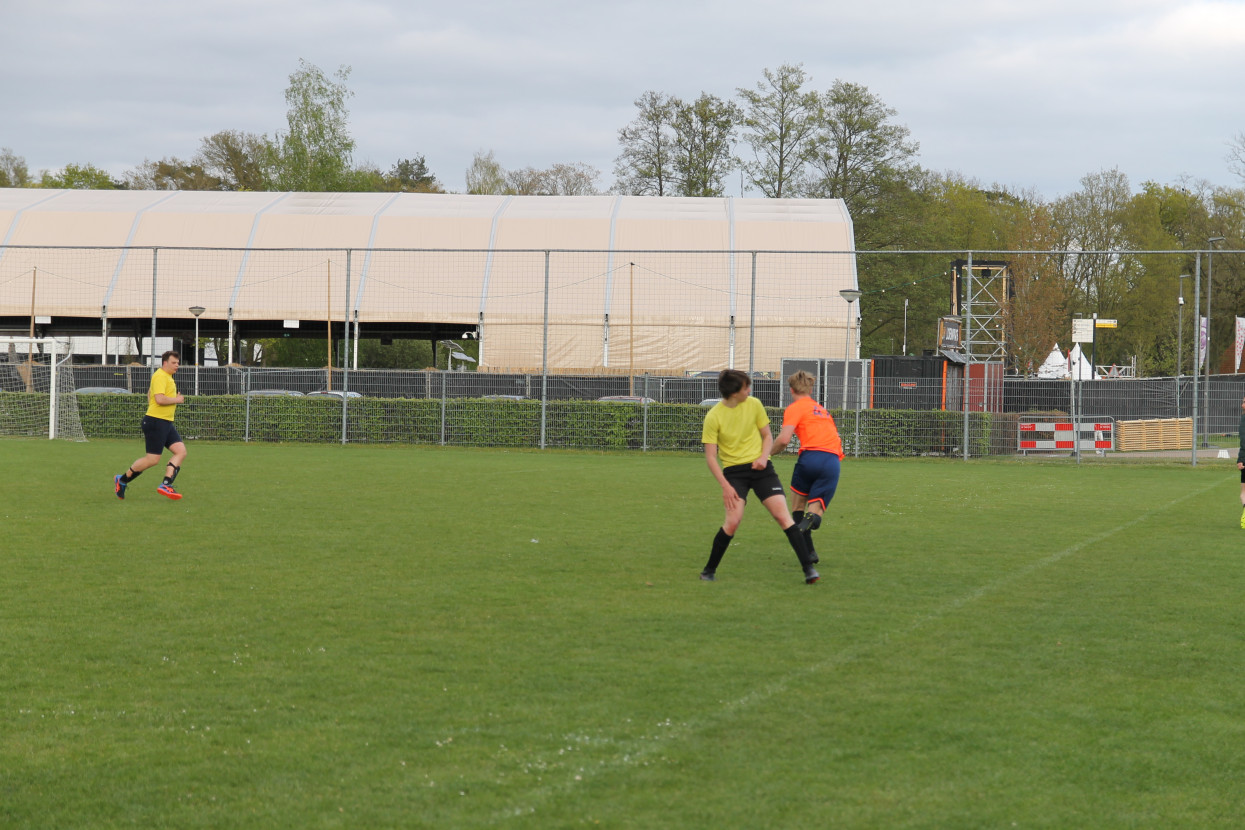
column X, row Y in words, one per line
column 1180, row 341
column 544, row 360
column 1210, row 280
column 155, row 256
column 1197, row 345
column 968, row 346
column 752, row 320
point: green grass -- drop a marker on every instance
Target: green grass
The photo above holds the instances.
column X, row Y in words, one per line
column 424, row 637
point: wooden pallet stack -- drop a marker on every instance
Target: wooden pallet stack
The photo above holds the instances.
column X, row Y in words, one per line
column 1155, row 434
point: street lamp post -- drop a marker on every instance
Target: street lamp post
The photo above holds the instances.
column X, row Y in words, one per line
column 1210, row 279
column 196, row 310
column 850, row 295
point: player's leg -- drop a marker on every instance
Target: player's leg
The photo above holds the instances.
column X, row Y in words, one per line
column 174, row 442
column 1243, row 498
column 730, row 523
column 777, row 507
column 769, row 488
column 153, row 441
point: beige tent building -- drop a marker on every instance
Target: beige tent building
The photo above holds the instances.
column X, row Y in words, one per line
column 589, row 283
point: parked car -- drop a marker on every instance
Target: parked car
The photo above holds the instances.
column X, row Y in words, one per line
column 274, row 393
column 504, row 397
column 102, row 390
column 626, row 399
column 708, row 402
column 332, row 393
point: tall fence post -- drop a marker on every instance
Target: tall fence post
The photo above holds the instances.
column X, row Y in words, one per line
column 346, row 351
column 155, row 256
column 544, row 359
column 752, row 319
column 1198, row 352
column 968, row 345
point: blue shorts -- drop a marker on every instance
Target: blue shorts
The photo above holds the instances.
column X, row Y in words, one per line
column 816, row 476
column 159, row 433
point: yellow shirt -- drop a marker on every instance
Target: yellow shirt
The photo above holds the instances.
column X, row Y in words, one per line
column 736, row 431
column 161, row 383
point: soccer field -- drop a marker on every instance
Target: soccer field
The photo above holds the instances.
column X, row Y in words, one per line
column 328, row 636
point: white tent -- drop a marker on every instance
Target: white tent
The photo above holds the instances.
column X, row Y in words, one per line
column 1055, row 367
column 1078, row 366
column 618, row 282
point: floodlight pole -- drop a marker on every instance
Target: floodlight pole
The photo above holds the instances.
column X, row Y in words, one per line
column 196, row 310
column 849, row 295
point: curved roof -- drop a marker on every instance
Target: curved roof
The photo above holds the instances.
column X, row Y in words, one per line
column 674, row 268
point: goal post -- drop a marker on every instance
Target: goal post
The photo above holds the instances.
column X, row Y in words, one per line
column 38, row 397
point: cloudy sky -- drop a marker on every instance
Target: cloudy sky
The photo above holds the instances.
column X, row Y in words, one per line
column 1027, row 95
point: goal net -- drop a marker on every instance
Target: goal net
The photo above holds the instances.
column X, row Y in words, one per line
column 37, row 393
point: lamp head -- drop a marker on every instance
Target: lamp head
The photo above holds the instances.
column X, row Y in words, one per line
column 851, row 295
column 196, row 310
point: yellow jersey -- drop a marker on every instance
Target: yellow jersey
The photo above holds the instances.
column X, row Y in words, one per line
column 736, row 430
column 161, row 383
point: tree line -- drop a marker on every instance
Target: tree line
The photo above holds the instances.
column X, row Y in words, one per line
column 786, row 139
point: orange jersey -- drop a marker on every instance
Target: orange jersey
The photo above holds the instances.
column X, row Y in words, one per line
column 814, row 426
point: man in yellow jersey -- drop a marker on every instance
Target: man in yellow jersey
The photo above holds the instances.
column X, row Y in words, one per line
column 737, row 443
column 158, row 429
column 816, row 474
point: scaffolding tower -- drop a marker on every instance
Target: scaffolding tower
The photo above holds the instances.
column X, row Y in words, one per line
column 981, row 291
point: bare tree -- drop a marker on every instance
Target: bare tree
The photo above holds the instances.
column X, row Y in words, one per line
column 645, row 165
column 1236, row 155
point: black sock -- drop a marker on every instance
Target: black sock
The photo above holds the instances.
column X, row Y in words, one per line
column 796, row 538
column 130, row 475
column 797, row 515
column 168, row 479
column 720, row 543
column 808, row 542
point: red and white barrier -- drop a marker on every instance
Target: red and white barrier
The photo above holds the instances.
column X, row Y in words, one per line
column 1065, row 435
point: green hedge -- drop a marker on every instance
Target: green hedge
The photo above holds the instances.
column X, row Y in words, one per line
column 504, row 423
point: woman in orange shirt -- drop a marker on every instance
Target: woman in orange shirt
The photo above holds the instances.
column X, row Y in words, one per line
column 816, row 474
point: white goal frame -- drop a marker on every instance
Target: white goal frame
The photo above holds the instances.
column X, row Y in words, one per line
column 58, row 351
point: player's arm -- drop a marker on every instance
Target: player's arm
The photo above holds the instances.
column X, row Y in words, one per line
column 783, row 439
column 166, row 400
column 729, row 497
column 767, row 447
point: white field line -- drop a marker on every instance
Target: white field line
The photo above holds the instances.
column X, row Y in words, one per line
column 641, row 751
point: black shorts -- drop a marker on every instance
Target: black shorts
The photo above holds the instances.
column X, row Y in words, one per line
column 765, row 483
column 159, row 434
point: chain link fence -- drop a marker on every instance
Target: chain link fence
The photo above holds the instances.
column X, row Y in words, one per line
column 884, row 416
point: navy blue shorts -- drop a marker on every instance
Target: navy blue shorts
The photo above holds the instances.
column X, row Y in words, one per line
column 816, row 476
column 765, row 483
column 159, row 434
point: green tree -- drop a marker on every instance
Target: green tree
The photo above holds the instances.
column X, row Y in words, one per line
column 80, row 177
column 170, row 174
column 315, row 152
column 413, row 176
column 777, row 125
column 13, row 171
column 704, row 133
column 859, row 155
column 645, row 167
column 485, row 176
column 239, row 160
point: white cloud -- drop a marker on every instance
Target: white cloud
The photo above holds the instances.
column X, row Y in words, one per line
column 1030, row 95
